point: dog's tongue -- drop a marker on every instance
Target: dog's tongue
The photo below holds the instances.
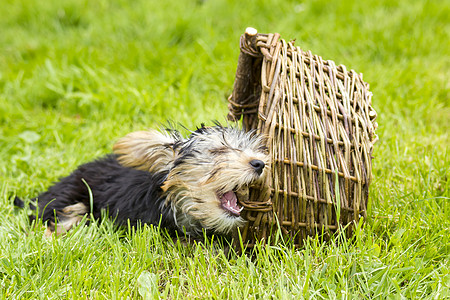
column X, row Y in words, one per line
column 229, row 202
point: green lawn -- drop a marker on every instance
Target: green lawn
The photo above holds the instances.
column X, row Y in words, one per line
column 76, row 75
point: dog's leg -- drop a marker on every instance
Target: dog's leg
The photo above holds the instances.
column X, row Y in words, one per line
column 67, row 218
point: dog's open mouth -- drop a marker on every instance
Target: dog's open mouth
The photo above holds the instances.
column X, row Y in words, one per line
column 229, row 200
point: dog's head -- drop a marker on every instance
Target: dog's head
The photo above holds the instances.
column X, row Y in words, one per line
column 208, row 173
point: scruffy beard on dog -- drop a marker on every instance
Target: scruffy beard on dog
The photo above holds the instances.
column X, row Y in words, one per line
column 184, row 185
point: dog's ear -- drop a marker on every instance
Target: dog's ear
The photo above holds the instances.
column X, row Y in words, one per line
column 150, row 151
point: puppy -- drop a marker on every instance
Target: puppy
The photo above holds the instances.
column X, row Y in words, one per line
column 184, row 185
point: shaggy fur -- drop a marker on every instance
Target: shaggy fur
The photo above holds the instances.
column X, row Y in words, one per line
column 184, row 185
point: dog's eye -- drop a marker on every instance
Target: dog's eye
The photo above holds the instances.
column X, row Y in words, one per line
column 218, row 151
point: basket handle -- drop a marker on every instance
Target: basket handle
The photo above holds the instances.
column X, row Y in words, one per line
column 245, row 96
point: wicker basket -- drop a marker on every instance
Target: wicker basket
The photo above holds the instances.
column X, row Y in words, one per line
column 321, row 129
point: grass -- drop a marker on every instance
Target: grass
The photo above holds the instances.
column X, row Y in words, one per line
column 77, row 75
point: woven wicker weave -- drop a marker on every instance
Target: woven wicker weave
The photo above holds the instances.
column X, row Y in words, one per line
column 321, row 129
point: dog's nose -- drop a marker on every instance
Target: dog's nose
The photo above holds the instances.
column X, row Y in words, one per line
column 258, row 165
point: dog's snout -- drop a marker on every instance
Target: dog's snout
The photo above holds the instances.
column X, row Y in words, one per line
column 258, row 165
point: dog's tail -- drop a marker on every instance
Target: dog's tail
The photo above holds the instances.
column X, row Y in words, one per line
column 21, row 204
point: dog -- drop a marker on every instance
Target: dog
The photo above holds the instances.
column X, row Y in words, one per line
column 186, row 185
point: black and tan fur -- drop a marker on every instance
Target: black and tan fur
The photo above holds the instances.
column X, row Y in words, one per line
column 184, row 185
